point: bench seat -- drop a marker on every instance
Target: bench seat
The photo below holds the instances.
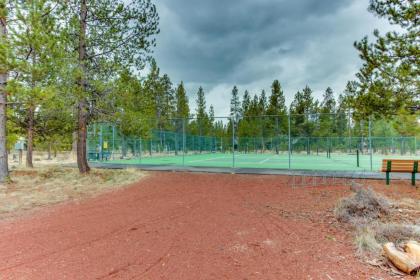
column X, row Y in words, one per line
column 400, row 166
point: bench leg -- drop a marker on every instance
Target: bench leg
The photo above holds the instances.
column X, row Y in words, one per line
column 413, row 179
column 387, row 178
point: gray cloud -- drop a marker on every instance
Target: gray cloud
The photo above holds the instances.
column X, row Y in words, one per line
column 220, row 43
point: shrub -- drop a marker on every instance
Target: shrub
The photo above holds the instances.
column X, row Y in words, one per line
column 363, row 206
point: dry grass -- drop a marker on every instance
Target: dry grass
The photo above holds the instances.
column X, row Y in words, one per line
column 370, row 237
column 363, row 206
column 376, row 221
column 40, row 159
column 53, row 184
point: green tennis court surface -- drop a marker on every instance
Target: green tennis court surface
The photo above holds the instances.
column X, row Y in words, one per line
column 337, row 162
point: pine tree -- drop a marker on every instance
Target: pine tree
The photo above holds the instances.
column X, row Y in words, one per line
column 301, row 109
column 201, row 113
column 106, row 35
column 168, row 105
column 261, row 121
column 327, row 114
column 235, row 104
column 277, row 100
column 211, row 128
column 246, row 103
column 38, row 54
column 182, row 106
column 277, row 120
column 134, row 106
column 343, row 117
column 262, row 104
column 244, row 122
column 211, row 115
column 235, row 114
column 388, row 80
column 182, row 111
column 328, row 104
column 201, row 104
column 159, row 90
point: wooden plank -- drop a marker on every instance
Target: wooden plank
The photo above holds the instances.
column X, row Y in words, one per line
column 407, row 170
column 399, row 165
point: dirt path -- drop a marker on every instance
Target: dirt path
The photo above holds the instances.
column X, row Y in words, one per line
column 186, row 226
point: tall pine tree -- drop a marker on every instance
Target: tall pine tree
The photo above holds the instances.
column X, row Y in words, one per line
column 105, row 36
column 182, row 106
column 388, row 80
column 38, row 54
column 327, row 118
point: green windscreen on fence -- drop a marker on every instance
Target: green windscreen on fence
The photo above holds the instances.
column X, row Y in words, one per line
column 301, row 142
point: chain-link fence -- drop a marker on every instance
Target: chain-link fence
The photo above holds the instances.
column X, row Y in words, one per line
column 307, row 142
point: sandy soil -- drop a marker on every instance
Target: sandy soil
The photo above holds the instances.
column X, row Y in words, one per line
column 190, row 226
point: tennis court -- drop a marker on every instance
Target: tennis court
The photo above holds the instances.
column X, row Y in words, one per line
column 294, row 142
column 339, row 162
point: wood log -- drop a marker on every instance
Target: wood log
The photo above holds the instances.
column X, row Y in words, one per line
column 401, row 260
column 413, row 249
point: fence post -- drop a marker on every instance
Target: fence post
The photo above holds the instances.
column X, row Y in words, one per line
column 113, row 142
column 183, row 142
column 349, row 131
column 357, row 158
column 370, row 143
column 233, row 142
column 290, row 140
column 101, row 143
column 140, row 150
column 277, row 135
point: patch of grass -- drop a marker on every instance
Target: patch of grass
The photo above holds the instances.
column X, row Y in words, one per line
column 370, row 238
column 376, row 221
column 396, row 233
column 32, row 188
column 366, row 242
column 363, row 206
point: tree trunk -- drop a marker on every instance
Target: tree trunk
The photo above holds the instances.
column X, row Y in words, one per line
column 81, row 138
column 4, row 171
column 49, row 151
column 30, row 136
column 83, row 108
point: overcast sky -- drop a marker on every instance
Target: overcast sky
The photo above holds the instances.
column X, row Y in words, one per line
column 221, row 43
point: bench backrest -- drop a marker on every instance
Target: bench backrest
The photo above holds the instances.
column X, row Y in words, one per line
column 400, row 165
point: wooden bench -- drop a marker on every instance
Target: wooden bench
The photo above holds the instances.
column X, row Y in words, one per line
column 401, row 166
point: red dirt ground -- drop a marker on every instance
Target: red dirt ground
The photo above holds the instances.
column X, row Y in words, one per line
column 189, row 226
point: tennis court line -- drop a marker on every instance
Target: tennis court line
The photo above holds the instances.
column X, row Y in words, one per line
column 209, row 159
column 265, row 160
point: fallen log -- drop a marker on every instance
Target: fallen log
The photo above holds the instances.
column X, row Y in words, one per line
column 401, row 260
column 413, row 249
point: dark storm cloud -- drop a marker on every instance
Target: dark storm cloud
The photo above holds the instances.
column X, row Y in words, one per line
column 218, row 43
